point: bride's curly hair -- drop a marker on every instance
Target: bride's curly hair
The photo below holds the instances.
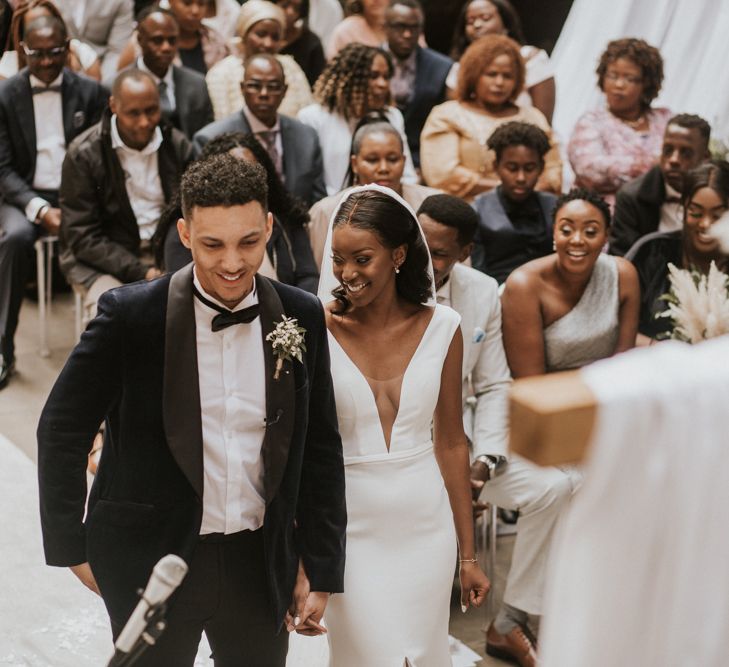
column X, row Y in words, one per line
column 394, row 226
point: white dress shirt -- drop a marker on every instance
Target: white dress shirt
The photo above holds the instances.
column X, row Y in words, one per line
column 50, row 142
column 142, row 181
column 231, row 373
column 443, row 295
column 167, row 78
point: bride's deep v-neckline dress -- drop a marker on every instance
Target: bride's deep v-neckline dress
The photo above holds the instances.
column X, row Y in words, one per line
column 401, row 544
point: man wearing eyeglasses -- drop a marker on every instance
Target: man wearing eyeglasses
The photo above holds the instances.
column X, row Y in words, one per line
column 418, row 81
column 42, row 108
column 293, row 147
column 183, row 93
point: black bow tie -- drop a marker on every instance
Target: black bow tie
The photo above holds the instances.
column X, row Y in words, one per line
column 37, row 90
column 227, row 318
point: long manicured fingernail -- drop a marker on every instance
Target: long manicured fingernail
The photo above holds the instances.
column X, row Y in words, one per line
column 463, row 608
column 297, row 620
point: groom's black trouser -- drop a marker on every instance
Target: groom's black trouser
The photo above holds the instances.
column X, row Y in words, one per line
column 225, row 593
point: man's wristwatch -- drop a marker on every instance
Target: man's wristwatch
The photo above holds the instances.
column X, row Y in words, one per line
column 494, row 464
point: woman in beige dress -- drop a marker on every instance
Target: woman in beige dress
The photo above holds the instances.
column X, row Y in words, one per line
column 453, row 152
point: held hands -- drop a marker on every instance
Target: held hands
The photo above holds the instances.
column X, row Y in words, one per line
column 51, row 220
column 307, row 608
column 83, row 572
column 475, row 585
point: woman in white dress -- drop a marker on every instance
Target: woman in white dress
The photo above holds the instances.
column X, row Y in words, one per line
column 396, row 366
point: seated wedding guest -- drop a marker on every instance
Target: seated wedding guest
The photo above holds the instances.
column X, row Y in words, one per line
column 260, row 28
column 365, row 24
column 288, row 257
column 299, row 41
column 376, row 156
column 81, row 57
column 183, row 95
column 354, row 83
column 117, row 177
column 614, row 145
column 105, row 25
column 199, row 47
column 705, row 198
column 324, row 16
column 540, row 494
column 479, row 18
column 293, row 147
column 652, row 202
column 559, row 312
column 42, row 108
column 453, row 153
column 220, row 15
column 515, row 221
column 419, row 74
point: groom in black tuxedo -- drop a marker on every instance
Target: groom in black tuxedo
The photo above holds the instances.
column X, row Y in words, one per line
column 209, row 452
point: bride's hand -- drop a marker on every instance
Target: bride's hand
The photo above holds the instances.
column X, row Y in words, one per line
column 301, row 592
column 475, row 585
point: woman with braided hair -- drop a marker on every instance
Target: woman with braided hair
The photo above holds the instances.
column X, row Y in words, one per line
column 354, row 83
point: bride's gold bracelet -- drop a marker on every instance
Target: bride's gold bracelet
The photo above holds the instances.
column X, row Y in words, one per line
column 468, row 560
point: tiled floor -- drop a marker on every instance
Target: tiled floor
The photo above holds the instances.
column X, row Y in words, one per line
column 22, row 401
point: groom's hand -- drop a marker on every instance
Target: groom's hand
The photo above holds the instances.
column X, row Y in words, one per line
column 83, row 572
column 310, row 624
column 301, row 592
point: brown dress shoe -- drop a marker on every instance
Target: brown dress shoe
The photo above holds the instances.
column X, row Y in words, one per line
column 516, row 646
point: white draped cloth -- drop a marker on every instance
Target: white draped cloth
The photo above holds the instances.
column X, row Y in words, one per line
column 690, row 34
column 640, row 571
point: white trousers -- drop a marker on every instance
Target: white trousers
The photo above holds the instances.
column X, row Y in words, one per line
column 540, row 494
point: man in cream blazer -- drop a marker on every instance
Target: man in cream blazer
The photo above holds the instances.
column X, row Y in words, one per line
column 506, row 481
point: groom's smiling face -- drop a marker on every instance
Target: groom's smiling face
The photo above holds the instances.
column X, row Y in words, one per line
column 227, row 245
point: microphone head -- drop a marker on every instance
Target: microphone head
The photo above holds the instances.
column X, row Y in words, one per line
column 166, row 577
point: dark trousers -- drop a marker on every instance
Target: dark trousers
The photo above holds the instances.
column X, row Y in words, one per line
column 17, row 236
column 225, row 594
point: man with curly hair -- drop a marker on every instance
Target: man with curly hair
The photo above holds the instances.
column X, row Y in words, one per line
column 219, row 448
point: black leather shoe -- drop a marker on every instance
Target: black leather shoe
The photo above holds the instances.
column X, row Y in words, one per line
column 6, row 370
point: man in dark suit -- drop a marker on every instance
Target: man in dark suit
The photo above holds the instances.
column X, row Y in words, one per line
column 184, row 98
column 117, row 178
column 418, row 82
column 219, row 448
column 652, row 202
column 293, row 147
column 42, row 108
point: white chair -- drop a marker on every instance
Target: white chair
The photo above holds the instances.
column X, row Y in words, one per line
column 44, row 251
column 487, row 550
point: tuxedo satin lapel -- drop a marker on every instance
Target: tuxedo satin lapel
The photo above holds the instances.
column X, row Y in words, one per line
column 24, row 107
column 72, row 117
column 181, row 393
column 280, row 395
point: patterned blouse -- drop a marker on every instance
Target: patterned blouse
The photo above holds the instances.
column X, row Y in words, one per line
column 605, row 153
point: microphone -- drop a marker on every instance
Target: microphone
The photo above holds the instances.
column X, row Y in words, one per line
column 166, row 577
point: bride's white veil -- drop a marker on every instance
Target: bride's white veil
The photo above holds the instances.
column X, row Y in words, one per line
column 327, row 281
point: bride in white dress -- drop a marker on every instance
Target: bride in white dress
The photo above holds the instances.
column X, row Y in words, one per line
column 396, row 366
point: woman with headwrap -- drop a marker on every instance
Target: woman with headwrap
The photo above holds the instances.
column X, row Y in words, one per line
column 260, row 29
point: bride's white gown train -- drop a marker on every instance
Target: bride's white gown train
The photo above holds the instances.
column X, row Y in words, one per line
column 401, row 542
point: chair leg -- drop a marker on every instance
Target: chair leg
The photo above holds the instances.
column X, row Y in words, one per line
column 78, row 307
column 49, row 274
column 41, row 282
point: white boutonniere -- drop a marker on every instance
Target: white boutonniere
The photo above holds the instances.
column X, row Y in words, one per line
column 287, row 341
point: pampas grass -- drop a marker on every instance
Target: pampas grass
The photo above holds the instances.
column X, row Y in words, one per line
column 698, row 304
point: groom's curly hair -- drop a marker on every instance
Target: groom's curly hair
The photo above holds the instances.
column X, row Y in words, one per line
column 394, row 226
column 222, row 180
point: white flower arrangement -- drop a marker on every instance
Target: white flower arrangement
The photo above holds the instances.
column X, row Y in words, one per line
column 698, row 304
column 287, row 341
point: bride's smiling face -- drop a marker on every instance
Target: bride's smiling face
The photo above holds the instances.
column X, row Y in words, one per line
column 363, row 265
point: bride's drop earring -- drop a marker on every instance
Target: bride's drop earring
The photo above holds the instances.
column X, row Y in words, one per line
column 397, row 268
column 554, row 245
